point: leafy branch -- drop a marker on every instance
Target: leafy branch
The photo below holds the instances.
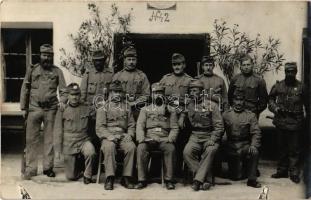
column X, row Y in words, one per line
column 94, row 33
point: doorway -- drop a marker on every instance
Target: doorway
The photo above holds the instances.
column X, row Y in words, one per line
column 155, row 51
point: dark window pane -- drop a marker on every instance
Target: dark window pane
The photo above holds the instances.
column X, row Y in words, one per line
column 13, row 88
column 35, row 59
column 15, row 66
column 14, row 40
column 39, row 37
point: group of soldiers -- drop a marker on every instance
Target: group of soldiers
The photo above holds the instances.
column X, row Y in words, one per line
column 119, row 113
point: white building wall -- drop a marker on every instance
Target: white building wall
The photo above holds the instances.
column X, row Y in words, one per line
column 283, row 20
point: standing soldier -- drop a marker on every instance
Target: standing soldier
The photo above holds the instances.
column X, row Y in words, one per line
column 176, row 86
column 207, row 130
column 134, row 82
column 256, row 96
column 71, row 137
column 157, row 128
column 243, row 143
column 39, row 100
column 286, row 101
column 115, row 126
column 95, row 84
column 214, row 85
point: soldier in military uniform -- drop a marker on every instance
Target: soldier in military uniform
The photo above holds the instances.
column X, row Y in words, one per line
column 243, row 143
column 134, row 82
column 94, row 88
column 214, row 85
column 176, row 86
column 157, row 128
column 256, row 96
column 39, row 100
column 71, row 137
column 286, row 101
column 115, row 126
column 207, row 130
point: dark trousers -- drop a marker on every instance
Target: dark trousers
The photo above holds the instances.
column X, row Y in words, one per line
column 199, row 158
column 143, row 157
column 73, row 165
column 289, row 151
column 241, row 163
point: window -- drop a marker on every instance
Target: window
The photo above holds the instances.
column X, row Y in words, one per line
column 20, row 48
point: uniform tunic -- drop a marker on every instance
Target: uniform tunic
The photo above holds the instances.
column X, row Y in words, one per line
column 207, row 125
column 160, row 124
column 39, row 97
column 111, row 120
column 216, row 86
column 256, row 95
column 71, row 138
column 243, row 131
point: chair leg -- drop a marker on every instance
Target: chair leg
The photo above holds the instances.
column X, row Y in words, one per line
column 99, row 167
column 162, row 171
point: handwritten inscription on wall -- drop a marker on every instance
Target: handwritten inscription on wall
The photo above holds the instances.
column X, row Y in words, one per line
column 159, row 16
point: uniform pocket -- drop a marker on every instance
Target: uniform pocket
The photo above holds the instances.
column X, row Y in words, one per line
column 92, row 88
column 53, row 80
column 35, row 81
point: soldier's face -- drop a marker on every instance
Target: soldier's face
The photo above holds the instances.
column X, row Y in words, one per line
column 99, row 64
column 208, row 68
column 195, row 92
column 130, row 63
column 178, row 67
column 247, row 66
column 238, row 103
column 74, row 99
column 290, row 73
column 46, row 59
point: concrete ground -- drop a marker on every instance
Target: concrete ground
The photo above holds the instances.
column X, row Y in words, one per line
column 41, row 187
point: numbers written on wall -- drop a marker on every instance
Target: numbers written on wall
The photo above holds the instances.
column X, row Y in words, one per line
column 159, row 16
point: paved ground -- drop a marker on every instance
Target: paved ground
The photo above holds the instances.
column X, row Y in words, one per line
column 42, row 187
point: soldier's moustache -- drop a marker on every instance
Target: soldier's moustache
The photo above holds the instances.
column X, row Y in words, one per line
column 159, row 101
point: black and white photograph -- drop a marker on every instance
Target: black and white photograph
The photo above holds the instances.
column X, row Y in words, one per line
column 155, row 99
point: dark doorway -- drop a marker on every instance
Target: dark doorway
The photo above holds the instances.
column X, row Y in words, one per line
column 155, row 51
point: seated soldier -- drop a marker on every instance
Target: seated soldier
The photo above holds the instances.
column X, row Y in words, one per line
column 115, row 127
column 207, row 130
column 157, row 128
column 243, row 144
column 71, row 137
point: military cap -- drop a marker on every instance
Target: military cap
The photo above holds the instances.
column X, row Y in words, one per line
column 46, row 48
column 195, row 83
column 73, row 88
column 207, row 59
column 116, row 86
column 177, row 58
column 129, row 51
column 290, row 66
column 99, row 54
column 157, row 87
column 239, row 94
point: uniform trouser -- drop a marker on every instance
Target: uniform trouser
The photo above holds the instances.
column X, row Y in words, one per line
column 289, row 151
column 241, row 162
column 72, row 169
column 199, row 158
column 143, row 157
column 109, row 150
column 34, row 121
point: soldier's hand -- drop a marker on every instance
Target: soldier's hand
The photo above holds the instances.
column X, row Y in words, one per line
column 57, row 155
column 24, row 114
column 171, row 139
column 111, row 138
column 210, row 143
column 252, row 150
column 181, row 123
column 127, row 138
column 61, row 106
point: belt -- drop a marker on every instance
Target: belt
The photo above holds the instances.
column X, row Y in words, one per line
column 116, row 129
column 202, row 129
column 44, row 104
column 235, row 139
column 157, row 129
